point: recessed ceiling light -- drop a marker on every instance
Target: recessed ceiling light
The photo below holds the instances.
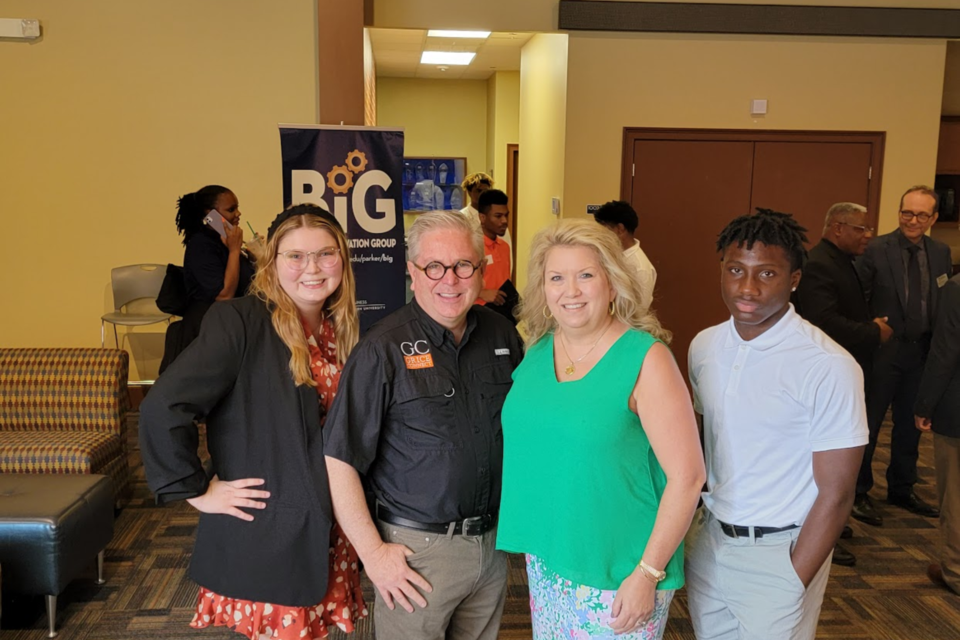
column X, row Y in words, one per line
column 446, row 33
column 447, row 57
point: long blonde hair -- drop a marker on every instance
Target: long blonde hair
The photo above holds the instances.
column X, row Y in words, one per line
column 620, row 275
column 340, row 306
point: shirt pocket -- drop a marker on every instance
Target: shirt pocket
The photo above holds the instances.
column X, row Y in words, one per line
column 425, row 404
column 495, row 381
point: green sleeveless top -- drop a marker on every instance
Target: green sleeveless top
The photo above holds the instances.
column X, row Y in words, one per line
column 581, row 485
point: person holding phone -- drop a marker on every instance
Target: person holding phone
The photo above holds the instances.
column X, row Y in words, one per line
column 270, row 560
column 214, row 264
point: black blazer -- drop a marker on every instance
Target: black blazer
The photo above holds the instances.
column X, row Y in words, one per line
column 235, row 377
column 882, row 276
column 939, row 397
column 829, row 297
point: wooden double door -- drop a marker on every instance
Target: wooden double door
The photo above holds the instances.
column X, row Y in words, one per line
column 686, row 185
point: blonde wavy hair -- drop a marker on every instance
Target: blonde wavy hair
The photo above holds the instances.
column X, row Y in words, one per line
column 620, row 275
column 340, row 307
column 474, row 180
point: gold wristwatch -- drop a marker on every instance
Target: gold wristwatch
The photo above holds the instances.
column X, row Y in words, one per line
column 655, row 575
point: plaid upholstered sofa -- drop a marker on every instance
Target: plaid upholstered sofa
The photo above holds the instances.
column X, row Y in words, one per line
column 64, row 411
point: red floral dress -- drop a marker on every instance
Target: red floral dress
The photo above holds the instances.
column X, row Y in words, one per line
column 343, row 602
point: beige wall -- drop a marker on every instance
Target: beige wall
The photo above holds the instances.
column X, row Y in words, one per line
column 708, row 82
column 505, row 116
column 543, row 118
column 491, row 124
column 440, row 117
column 121, row 107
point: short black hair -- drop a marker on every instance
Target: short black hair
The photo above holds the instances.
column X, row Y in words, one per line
column 192, row 207
column 491, row 197
column 772, row 228
column 617, row 212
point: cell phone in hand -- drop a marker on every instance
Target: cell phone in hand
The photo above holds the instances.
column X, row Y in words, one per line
column 217, row 222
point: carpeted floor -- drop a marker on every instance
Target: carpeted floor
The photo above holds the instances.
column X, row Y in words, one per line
column 149, row 596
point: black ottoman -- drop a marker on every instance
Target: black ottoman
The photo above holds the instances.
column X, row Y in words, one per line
column 51, row 527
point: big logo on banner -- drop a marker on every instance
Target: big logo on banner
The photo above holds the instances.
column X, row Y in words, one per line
column 355, row 174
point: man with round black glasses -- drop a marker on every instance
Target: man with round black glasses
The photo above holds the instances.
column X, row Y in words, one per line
column 418, row 413
column 901, row 273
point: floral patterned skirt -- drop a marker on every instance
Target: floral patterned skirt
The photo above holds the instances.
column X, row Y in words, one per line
column 341, row 606
column 561, row 609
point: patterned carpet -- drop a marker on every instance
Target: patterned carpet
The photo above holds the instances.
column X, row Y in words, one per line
column 149, row 596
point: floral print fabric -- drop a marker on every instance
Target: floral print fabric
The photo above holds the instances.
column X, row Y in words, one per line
column 562, row 609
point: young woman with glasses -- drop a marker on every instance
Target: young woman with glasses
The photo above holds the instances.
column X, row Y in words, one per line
column 269, row 558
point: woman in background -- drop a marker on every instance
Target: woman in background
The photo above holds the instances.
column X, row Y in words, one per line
column 214, row 266
column 602, row 465
column 269, row 558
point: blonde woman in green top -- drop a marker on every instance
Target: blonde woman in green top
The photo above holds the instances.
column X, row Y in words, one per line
column 602, row 463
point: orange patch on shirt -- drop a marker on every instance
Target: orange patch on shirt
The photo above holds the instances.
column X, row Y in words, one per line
column 419, row 362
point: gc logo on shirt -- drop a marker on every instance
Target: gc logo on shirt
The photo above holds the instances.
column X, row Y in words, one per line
column 416, row 354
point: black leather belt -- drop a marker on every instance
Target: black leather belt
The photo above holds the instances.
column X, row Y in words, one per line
column 476, row 526
column 736, row 531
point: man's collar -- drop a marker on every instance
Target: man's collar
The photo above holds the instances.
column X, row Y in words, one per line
column 835, row 250
column 904, row 243
column 435, row 331
column 769, row 338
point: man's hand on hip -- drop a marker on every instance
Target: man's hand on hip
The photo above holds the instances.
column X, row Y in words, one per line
column 387, row 568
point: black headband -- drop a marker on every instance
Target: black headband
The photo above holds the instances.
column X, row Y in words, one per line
column 301, row 210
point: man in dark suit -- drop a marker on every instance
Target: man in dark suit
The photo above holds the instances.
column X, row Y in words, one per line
column 829, row 296
column 901, row 273
column 938, row 407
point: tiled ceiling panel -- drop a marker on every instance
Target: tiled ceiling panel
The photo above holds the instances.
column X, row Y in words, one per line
column 397, row 54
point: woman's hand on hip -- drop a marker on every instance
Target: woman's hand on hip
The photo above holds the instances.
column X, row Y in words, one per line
column 633, row 604
column 228, row 497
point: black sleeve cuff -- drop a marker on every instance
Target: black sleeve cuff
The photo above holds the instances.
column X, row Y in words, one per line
column 190, row 487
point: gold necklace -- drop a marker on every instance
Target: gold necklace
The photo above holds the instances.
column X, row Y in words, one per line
column 572, row 367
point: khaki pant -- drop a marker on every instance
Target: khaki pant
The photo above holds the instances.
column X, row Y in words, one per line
column 469, row 580
column 743, row 589
column 946, row 451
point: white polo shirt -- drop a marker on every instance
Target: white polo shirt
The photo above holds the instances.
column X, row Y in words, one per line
column 646, row 273
column 768, row 404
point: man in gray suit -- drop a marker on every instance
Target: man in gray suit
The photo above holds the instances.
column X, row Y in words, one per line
column 902, row 273
column 938, row 407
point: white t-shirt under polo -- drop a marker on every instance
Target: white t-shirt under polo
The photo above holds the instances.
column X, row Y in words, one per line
column 768, row 404
column 646, row 273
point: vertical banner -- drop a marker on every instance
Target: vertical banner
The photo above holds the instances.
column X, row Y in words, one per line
column 355, row 173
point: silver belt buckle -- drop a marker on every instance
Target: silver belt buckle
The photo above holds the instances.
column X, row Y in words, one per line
column 468, row 523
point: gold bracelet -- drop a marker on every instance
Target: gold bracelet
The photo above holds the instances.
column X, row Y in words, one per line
column 652, row 574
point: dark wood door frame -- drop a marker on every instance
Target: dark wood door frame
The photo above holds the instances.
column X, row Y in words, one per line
column 513, row 184
column 876, row 138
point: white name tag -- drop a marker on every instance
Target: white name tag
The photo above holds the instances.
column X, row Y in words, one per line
column 942, row 280
column 489, row 259
column 501, row 352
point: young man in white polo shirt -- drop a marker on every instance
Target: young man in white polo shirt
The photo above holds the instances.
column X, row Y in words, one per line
column 784, row 428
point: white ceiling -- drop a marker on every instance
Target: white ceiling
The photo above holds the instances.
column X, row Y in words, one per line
column 397, row 54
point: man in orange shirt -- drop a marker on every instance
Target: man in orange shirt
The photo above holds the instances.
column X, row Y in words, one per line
column 496, row 253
